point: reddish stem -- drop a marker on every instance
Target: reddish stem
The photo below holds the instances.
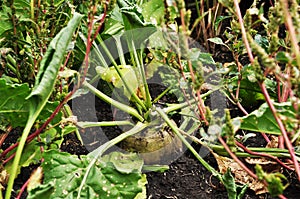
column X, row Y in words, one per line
column 262, row 85
column 200, row 103
column 4, row 136
column 22, row 190
column 236, row 158
column 262, row 155
column 282, row 129
column 243, row 30
column 38, row 131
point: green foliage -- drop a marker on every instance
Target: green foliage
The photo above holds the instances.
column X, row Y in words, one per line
column 108, row 178
column 250, row 95
column 274, row 180
column 262, row 119
column 19, row 9
column 128, row 74
column 44, row 86
column 234, row 191
column 154, row 11
column 28, row 27
column 14, row 105
column 52, row 61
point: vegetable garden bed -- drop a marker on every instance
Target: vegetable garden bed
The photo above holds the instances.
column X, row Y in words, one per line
column 149, row 99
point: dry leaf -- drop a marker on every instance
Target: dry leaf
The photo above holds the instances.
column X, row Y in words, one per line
column 273, row 143
column 3, row 177
column 240, row 175
column 35, row 178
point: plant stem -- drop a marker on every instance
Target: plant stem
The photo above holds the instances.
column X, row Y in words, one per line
column 23, row 189
column 262, row 85
column 262, row 155
column 100, row 150
column 32, row 9
column 175, row 107
column 69, row 113
column 282, row 128
column 113, row 102
column 120, row 50
column 233, row 156
column 15, row 165
column 142, row 71
column 136, row 98
column 291, row 30
column 106, row 123
column 243, row 30
column 173, row 126
column 161, row 95
column 134, row 56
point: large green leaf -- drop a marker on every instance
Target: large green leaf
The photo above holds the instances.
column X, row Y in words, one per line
column 153, row 11
column 262, row 119
column 6, row 23
column 44, row 86
column 63, row 174
column 14, row 109
column 13, row 104
column 52, row 60
column 114, row 22
column 22, row 13
column 136, row 29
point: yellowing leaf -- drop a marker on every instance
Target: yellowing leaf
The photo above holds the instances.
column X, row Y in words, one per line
column 128, row 74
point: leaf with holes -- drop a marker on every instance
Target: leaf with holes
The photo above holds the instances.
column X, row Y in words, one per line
column 63, row 174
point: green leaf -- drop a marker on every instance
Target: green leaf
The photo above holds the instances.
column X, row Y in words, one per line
column 230, row 185
column 22, row 13
column 114, row 24
column 6, row 23
column 44, row 86
column 153, row 11
column 63, row 174
column 283, row 57
column 125, row 163
column 13, row 104
column 206, row 58
column 219, row 20
column 197, row 55
column 53, row 59
column 262, row 119
column 216, row 40
column 133, row 20
column 128, row 74
column 234, row 191
column 262, row 41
